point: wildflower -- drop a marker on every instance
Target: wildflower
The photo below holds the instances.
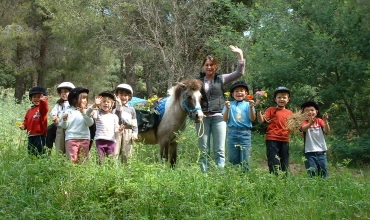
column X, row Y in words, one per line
column 227, row 95
column 249, row 97
column 262, row 97
column 18, row 123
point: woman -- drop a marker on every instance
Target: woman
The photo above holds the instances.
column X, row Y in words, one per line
column 212, row 104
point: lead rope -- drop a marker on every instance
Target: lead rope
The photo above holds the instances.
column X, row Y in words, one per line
column 201, row 128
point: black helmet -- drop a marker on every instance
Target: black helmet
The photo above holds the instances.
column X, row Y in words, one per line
column 281, row 89
column 309, row 104
column 37, row 90
column 74, row 93
column 108, row 94
column 237, row 84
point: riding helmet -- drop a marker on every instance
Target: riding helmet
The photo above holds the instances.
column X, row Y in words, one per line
column 238, row 84
column 37, row 90
column 125, row 87
column 281, row 89
column 108, row 94
column 74, row 93
column 65, row 85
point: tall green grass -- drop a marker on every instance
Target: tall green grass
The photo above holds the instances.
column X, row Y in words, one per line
column 146, row 188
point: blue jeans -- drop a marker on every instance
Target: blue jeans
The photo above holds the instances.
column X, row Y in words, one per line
column 239, row 146
column 216, row 127
column 277, row 155
column 316, row 164
column 36, row 145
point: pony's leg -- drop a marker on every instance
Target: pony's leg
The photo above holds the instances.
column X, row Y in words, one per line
column 173, row 153
column 164, row 150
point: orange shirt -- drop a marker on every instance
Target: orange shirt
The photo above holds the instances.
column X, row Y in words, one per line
column 276, row 129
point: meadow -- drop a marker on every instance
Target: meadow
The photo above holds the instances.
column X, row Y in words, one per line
column 147, row 188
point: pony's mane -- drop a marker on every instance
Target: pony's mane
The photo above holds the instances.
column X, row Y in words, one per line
column 192, row 84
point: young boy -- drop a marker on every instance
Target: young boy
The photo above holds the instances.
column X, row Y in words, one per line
column 35, row 121
column 277, row 135
column 56, row 115
column 239, row 116
column 314, row 142
column 106, row 124
column 127, row 117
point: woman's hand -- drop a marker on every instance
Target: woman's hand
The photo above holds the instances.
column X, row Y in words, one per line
column 238, row 51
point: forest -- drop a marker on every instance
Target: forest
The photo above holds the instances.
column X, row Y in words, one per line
column 319, row 49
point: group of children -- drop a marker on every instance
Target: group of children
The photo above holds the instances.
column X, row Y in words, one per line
column 113, row 121
column 116, row 126
column 239, row 115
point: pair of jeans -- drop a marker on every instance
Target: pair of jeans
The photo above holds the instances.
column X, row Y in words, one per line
column 277, row 155
column 239, row 146
column 316, row 164
column 216, row 127
column 36, row 145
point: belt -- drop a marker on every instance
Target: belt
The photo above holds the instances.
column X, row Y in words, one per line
column 239, row 128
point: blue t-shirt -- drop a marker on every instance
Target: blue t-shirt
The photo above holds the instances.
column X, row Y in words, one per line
column 238, row 115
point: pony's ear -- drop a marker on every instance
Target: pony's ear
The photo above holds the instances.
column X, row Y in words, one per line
column 181, row 84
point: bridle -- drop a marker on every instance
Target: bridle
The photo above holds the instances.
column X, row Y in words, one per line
column 190, row 112
column 186, row 107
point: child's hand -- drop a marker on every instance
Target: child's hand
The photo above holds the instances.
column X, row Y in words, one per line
column 121, row 127
column 311, row 119
column 22, row 127
column 82, row 110
column 43, row 98
column 325, row 116
column 251, row 103
column 65, row 117
column 227, row 104
column 135, row 138
column 55, row 119
column 98, row 100
column 118, row 100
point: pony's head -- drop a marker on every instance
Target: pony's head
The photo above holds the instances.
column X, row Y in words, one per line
column 188, row 91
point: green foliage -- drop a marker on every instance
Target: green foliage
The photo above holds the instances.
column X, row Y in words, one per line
column 310, row 46
column 357, row 149
column 7, row 79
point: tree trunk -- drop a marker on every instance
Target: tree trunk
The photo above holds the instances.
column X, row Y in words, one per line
column 148, row 82
column 352, row 116
column 130, row 71
column 121, row 67
column 19, row 88
column 41, row 64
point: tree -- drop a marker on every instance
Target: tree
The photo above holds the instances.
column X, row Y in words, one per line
column 324, row 48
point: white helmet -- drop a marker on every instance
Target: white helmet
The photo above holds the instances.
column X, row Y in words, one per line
column 126, row 87
column 65, row 85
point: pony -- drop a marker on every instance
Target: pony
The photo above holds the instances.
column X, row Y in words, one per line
column 183, row 101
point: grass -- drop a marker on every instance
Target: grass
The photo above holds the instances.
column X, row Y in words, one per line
column 146, row 188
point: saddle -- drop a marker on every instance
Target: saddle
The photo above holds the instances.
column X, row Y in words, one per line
column 149, row 114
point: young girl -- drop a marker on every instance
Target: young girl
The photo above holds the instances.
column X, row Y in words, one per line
column 56, row 115
column 76, row 123
column 106, row 124
column 127, row 117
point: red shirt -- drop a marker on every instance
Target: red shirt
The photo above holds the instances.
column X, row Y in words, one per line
column 276, row 129
column 36, row 119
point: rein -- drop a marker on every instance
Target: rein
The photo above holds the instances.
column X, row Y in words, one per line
column 186, row 107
